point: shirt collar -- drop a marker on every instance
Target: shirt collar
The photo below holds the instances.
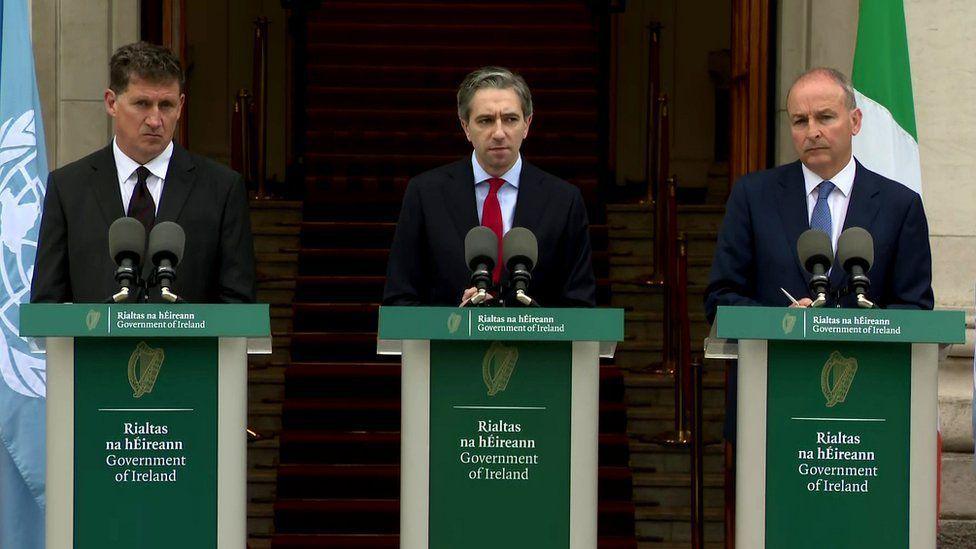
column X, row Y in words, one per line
column 843, row 180
column 125, row 166
column 511, row 176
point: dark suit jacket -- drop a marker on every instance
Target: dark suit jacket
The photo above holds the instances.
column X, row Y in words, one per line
column 427, row 264
column 766, row 213
column 205, row 198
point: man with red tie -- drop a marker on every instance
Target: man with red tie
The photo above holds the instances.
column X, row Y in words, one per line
column 496, row 188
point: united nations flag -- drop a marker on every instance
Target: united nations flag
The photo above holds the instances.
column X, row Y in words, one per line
column 23, row 169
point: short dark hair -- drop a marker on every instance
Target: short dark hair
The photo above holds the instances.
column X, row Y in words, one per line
column 498, row 78
column 147, row 61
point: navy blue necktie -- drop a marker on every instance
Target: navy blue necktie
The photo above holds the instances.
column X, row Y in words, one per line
column 820, row 219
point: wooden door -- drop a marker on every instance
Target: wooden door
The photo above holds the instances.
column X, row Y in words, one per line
column 750, row 87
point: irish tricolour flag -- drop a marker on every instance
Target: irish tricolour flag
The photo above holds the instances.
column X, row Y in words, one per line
column 888, row 141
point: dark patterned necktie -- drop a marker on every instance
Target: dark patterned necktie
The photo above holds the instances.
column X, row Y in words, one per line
column 141, row 204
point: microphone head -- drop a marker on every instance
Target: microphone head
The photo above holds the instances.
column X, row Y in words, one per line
column 855, row 247
column 520, row 246
column 166, row 241
column 481, row 246
column 813, row 248
column 126, row 238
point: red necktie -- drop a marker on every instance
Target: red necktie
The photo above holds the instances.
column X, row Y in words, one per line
column 491, row 217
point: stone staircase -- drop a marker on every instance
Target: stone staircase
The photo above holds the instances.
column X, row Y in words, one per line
column 275, row 224
column 662, row 491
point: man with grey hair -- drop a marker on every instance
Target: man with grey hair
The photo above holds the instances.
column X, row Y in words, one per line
column 826, row 189
column 495, row 188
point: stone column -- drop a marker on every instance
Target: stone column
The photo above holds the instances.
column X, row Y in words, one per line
column 73, row 40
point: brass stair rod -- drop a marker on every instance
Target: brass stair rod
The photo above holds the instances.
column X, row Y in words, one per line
column 680, row 426
column 260, row 77
column 697, row 460
column 242, row 111
column 663, row 194
column 652, row 114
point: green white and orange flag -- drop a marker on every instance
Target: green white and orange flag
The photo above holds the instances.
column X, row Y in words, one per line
column 888, row 141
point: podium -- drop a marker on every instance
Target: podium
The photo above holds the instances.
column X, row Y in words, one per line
column 146, row 419
column 499, row 433
column 837, row 416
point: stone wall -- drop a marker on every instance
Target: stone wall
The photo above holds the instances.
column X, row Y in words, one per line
column 73, row 40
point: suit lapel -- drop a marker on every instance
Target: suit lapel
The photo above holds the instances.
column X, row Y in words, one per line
column 791, row 203
column 105, row 183
column 179, row 182
column 531, row 201
column 459, row 197
column 861, row 211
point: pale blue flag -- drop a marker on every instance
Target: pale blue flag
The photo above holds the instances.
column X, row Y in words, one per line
column 23, row 168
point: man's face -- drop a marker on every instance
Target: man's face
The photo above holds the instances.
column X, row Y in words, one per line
column 496, row 128
column 144, row 116
column 822, row 125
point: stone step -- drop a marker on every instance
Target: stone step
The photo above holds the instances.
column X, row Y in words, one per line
column 261, row 484
column 648, row 421
column 646, row 456
column 666, row 545
column 260, row 518
column 956, row 533
column 620, row 271
column 641, row 298
column 263, row 454
column 641, row 216
column 956, row 404
column 657, row 389
column 958, row 487
column 672, row 524
column 636, row 244
column 674, row 489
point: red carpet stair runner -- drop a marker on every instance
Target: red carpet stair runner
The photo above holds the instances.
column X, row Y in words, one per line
column 380, row 107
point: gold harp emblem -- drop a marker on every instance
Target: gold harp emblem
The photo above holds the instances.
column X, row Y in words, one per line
column 836, row 378
column 497, row 366
column 144, row 364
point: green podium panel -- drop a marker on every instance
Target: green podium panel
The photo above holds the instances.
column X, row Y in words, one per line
column 836, row 425
column 500, row 440
column 499, row 424
column 145, row 442
column 145, row 419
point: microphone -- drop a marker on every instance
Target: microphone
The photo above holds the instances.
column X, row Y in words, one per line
column 816, row 255
column 166, row 242
column 855, row 251
column 521, row 252
column 481, row 255
column 126, row 243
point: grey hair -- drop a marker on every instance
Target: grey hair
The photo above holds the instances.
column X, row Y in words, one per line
column 498, row 78
column 838, row 77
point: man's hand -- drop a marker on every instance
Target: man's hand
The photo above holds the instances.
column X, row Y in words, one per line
column 803, row 303
column 469, row 293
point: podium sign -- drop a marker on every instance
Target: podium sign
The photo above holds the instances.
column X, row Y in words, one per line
column 146, row 410
column 838, row 436
column 499, row 424
column 145, row 442
column 499, row 443
column 837, row 414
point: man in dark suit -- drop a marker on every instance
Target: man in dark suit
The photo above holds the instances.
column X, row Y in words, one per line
column 143, row 174
column 826, row 189
column 496, row 188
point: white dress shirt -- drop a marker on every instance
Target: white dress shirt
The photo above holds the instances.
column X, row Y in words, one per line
column 126, row 167
column 837, row 201
column 507, row 194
